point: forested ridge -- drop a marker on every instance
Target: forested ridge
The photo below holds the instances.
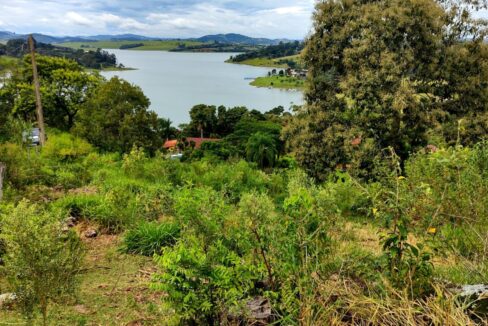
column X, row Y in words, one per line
column 365, row 206
column 93, row 59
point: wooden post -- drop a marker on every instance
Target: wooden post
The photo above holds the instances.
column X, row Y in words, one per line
column 37, row 90
column 2, row 172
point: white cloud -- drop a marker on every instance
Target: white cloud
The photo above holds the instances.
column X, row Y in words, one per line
column 289, row 10
column 73, row 17
column 163, row 18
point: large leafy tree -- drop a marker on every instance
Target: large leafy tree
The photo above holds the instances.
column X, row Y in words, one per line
column 203, row 120
column 247, row 127
column 65, row 86
column 227, row 119
column 383, row 73
column 116, row 118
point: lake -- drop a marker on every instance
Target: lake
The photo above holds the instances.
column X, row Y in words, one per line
column 175, row 82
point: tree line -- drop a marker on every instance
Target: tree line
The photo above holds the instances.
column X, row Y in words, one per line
column 271, row 52
column 97, row 59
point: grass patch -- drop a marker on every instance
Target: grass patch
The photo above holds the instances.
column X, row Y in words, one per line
column 283, row 82
column 148, row 238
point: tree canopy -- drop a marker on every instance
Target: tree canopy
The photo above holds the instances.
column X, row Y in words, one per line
column 116, row 118
column 64, row 87
column 388, row 73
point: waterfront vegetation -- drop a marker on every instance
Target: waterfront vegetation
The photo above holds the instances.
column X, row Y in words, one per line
column 287, row 55
column 162, row 45
column 366, row 206
column 285, row 82
column 281, row 62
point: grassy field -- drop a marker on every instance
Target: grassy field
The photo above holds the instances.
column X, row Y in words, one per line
column 148, row 45
column 279, row 82
column 271, row 63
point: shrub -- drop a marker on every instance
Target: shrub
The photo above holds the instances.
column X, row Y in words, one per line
column 25, row 166
column 149, row 238
column 205, row 283
column 42, row 262
column 93, row 207
column 62, row 147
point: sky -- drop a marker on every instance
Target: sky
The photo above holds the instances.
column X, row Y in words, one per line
column 159, row 18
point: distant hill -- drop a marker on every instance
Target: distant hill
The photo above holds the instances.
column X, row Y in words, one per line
column 99, row 59
column 121, row 37
column 5, row 36
column 220, row 38
column 239, row 39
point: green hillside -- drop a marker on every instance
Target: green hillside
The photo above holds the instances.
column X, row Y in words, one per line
column 148, row 45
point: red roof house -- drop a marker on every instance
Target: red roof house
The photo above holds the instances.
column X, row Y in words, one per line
column 173, row 144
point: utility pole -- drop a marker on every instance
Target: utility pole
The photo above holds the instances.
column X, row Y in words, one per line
column 37, row 90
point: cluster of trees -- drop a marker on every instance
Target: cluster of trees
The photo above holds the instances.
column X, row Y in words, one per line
column 214, row 47
column 89, row 59
column 245, row 133
column 131, row 46
column 271, row 52
column 112, row 114
column 390, row 73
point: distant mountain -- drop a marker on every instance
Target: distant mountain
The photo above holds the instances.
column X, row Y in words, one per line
column 121, row 37
column 5, row 36
column 220, row 38
column 240, row 39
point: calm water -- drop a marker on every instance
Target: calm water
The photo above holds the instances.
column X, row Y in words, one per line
column 175, row 82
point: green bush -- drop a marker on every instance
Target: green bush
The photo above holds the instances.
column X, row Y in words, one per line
column 42, row 261
column 149, row 238
column 94, row 207
column 25, row 166
column 62, row 147
column 205, row 283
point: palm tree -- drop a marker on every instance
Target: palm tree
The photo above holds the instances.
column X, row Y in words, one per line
column 261, row 149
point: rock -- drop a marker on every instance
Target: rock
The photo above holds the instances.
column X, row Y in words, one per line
column 71, row 221
column 478, row 293
column 259, row 310
column 91, row 234
column 7, row 298
column 479, row 290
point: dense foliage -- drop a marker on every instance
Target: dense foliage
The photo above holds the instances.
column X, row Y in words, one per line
column 374, row 228
column 116, row 117
column 227, row 234
column 389, row 73
column 271, row 52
